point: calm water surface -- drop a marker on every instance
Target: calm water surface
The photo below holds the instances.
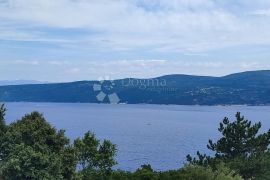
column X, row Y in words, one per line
column 161, row 135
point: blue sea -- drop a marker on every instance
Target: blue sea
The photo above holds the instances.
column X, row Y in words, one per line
column 160, row 135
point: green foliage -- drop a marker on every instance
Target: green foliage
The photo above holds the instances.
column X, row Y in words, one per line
column 2, row 119
column 106, row 154
column 240, row 138
column 240, row 147
column 31, row 149
column 26, row 163
column 68, row 162
column 3, row 125
column 93, row 156
column 87, row 149
column 189, row 172
column 199, row 172
column 145, row 173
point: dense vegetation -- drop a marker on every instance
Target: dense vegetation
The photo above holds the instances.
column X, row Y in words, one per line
column 251, row 88
column 31, row 148
column 241, row 148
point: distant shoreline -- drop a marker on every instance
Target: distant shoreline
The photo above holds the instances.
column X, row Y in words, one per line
column 245, row 89
column 227, row 105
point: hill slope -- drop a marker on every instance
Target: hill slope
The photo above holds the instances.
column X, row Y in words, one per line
column 252, row 88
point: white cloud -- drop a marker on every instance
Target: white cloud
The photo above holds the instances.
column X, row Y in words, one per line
column 59, row 63
column 152, row 37
column 24, row 62
column 141, row 68
column 124, row 25
column 262, row 12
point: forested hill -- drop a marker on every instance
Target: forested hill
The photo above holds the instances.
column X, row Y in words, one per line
column 251, row 88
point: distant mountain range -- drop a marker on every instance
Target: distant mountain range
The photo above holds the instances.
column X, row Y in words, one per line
column 247, row 88
column 19, row 82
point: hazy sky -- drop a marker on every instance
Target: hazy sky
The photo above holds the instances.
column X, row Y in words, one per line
column 66, row 40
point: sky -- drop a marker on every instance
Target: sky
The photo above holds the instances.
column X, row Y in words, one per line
column 70, row 40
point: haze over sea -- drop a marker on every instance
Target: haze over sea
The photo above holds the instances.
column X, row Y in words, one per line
column 161, row 135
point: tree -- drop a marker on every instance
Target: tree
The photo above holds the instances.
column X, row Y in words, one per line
column 31, row 148
column 240, row 147
column 95, row 157
column 240, row 138
column 2, row 119
column 87, row 150
column 106, row 154
column 26, row 163
column 145, row 173
column 3, row 125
